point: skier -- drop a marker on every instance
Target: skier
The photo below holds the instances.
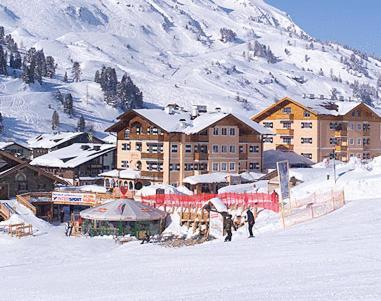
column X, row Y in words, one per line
column 229, row 224
column 250, row 221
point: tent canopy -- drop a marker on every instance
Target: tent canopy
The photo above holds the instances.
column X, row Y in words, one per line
column 123, row 210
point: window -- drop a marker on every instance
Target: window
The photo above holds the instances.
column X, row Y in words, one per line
column 188, row 148
column 351, row 141
column 253, row 165
column 268, row 124
column 215, row 166
column 215, row 131
column 359, row 126
column 174, row 148
column 306, row 114
column 267, row 139
column 286, row 110
column 224, row 148
column 358, row 113
column 232, row 131
column 306, row 125
column 351, row 126
column 138, row 146
column 253, row 149
column 287, row 140
column 241, row 150
column 287, row 125
column 231, row 166
column 188, row 166
column 224, row 131
column 154, row 131
column 359, row 141
column 127, row 134
column 215, row 148
column 125, row 164
column 126, row 146
column 224, row 166
column 174, row 167
column 232, row 148
column 332, row 125
column 307, row 155
column 332, row 141
column 306, row 140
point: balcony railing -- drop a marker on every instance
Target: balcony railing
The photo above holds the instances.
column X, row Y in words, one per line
column 366, row 132
column 152, row 174
column 288, row 132
column 341, row 148
column 286, row 116
column 243, row 156
column 157, row 156
column 134, row 136
column 200, row 156
column 341, row 133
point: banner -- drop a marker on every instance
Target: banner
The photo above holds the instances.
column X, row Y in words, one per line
column 283, row 175
column 73, row 197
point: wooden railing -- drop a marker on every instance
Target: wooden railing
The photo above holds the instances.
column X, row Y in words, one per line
column 146, row 137
column 157, row 156
column 200, row 156
column 24, row 199
column 4, row 211
column 152, row 174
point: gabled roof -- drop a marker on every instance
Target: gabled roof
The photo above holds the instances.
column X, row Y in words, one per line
column 317, row 107
column 4, row 145
column 73, row 155
column 52, row 140
column 23, row 164
column 181, row 122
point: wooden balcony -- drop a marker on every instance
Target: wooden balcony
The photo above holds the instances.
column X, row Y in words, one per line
column 146, row 137
column 200, row 156
column 249, row 139
column 366, row 132
column 152, row 174
column 341, row 148
column 154, row 156
column 341, row 133
column 285, row 147
column 286, row 116
column 287, row 132
column 243, row 156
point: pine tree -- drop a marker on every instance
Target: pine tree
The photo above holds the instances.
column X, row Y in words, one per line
column 76, row 72
column 55, row 120
column 97, row 77
column 58, row 95
column 65, row 77
column 3, row 62
column 81, row 124
column 17, row 63
column 27, row 72
column 50, row 67
column 2, row 33
column 1, row 124
column 129, row 95
column 40, row 65
column 68, row 104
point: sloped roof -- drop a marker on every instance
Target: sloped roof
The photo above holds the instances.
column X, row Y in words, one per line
column 73, row 155
column 51, row 140
column 321, row 107
column 4, row 144
column 123, row 210
column 122, row 174
column 181, row 122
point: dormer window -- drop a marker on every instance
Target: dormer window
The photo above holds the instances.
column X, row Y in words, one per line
column 287, row 110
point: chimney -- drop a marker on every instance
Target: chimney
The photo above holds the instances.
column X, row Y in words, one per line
column 97, row 147
column 217, row 109
column 169, row 109
column 312, row 96
column 321, row 96
column 85, row 147
column 183, row 122
column 194, row 112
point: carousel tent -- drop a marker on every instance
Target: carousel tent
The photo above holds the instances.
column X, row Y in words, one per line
column 123, row 210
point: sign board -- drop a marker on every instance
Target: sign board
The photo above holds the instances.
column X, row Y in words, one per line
column 73, row 197
column 283, row 174
column 216, row 224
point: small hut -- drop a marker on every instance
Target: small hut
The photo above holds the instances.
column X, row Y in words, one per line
column 123, row 217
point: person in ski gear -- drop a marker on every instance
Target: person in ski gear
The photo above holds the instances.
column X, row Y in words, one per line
column 250, row 221
column 146, row 238
column 62, row 215
column 229, row 224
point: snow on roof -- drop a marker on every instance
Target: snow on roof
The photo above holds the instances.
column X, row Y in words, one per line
column 122, row 174
column 4, row 144
column 216, row 177
column 335, row 108
column 73, row 155
column 51, row 140
column 180, row 121
column 271, row 157
column 218, row 204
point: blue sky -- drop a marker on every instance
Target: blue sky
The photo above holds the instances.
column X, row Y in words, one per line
column 356, row 23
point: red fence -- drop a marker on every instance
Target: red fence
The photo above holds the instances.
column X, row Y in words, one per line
column 262, row 200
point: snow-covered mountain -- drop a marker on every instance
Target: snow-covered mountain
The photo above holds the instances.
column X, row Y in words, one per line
column 174, row 52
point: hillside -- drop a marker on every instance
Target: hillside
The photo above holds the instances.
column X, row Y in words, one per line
column 174, row 53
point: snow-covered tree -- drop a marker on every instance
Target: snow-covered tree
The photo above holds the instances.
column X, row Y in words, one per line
column 81, row 125
column 129, row 95
column 1, row 124
column 65, row 77
column 227, row 35
column 76, row 72
column 3, row 62
column 68, row 104
column 50, row 67
column 55, row 120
